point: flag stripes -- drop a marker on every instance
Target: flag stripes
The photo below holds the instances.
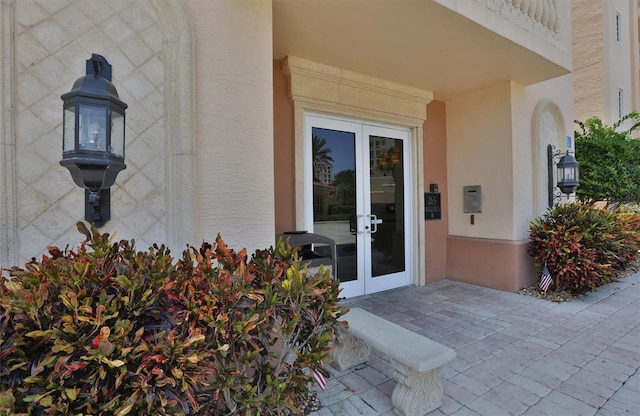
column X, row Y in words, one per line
column 545, row 279
column 322, row 382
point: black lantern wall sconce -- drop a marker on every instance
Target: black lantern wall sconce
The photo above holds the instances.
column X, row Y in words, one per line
column 567, row 173
column 93, row 137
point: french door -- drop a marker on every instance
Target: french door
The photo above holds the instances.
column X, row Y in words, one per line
column 358, row 194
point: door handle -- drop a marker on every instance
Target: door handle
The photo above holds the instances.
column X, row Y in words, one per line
column 374, row 223
column 358, row 225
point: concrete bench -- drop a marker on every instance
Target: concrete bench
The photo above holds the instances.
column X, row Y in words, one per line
column 415, row 358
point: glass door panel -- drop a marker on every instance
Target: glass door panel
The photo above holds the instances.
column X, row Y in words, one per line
column 386, row 178
column 386, row 195
column 334, row 195
column 356, row 193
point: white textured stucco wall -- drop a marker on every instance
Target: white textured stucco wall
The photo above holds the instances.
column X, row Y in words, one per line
column 50, row 42
column 234, row 121
column 177, row 188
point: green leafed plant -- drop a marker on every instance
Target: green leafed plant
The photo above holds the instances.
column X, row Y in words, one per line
column 609, row 160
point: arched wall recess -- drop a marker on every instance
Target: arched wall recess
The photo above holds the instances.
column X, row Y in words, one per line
column 548, row 127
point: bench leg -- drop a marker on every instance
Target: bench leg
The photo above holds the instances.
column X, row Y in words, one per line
column 416, row 394
column 348, row 350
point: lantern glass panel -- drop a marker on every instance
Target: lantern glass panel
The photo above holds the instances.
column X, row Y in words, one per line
column 561, row 174
column 93, row 128
column 117, row 134
column 69, row 134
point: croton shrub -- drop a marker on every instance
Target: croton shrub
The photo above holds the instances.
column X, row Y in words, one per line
column 584, row 247
column 108, row 330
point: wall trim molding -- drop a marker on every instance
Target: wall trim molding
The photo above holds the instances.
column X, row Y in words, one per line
column 548, row 127
column 179, row 122
column 8, row 109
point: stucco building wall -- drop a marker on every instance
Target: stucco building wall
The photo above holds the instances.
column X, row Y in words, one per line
column 284, row 150
column 234, row 121
column 49, row 44
column 605, row 66
column 588, row 65
column 190, row 173
column 215, row 119
column 497, row 138
column 435, row 172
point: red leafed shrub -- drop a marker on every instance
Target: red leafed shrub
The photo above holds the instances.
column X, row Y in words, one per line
column 90, row 332
column 105, row 330
column 583, row 247
column 268, row 321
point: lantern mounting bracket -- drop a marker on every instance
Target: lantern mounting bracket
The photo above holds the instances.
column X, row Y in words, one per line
column 97, row 206
column 98, row 65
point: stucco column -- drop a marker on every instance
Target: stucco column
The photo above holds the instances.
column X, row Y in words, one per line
column 234, row 121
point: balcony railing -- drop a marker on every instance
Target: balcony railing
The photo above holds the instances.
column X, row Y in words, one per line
column 538, row 16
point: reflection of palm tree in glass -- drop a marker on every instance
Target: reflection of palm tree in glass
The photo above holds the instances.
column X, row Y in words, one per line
column 345, row 183
column 320, row 155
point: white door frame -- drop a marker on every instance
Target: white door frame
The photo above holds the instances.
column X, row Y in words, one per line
column 362, row 130
column 324, row 89
column 404, row 278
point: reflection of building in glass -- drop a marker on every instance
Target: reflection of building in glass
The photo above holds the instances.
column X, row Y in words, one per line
column 323, row 173
column 323, row 201
column 374, row 152
column 384, row 156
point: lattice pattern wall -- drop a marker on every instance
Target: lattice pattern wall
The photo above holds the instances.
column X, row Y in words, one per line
column 52, row 41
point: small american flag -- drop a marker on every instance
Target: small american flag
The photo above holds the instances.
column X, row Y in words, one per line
column 322, row 382
column 545, row 279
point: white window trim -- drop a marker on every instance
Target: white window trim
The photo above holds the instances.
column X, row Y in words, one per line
column 620, row 103
column 618, row 27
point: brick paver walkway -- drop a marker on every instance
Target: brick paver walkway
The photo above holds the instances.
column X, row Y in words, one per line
column 516, row 355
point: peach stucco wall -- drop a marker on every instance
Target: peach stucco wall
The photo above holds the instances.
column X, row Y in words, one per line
column 499, row 264
column 435, row 171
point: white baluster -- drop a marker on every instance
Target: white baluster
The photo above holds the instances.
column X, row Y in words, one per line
column 546, row 12
column 540, row 10
column 533, row 6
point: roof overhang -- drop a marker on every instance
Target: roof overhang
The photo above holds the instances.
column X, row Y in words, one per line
column 421, row 44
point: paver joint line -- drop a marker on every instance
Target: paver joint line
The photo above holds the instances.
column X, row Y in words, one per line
column 579, row 357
